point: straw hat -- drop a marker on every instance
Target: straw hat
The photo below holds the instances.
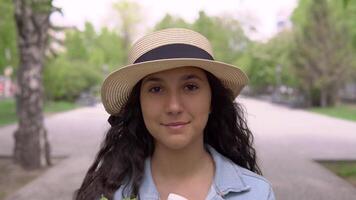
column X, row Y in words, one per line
column 164, row 50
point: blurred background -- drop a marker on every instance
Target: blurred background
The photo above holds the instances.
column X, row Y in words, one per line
column 278, row 44
column 299, row 54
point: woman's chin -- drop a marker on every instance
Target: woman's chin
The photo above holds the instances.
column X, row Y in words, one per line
column 176, row 145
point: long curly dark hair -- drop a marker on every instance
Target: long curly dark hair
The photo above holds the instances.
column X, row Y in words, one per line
column 120, row 160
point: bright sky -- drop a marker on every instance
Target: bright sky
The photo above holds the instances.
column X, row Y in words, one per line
column 262, row 14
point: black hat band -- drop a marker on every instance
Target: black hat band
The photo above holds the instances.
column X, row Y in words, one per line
column 174, row 51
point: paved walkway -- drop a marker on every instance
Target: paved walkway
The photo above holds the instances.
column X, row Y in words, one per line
column 287, row 142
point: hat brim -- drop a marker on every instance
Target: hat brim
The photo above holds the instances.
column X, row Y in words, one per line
column 117, row 87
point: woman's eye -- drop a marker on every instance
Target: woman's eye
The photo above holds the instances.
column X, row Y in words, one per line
column 191, row 87
column 155, row 89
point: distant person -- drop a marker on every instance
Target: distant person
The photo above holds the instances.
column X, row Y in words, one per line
column 175, row 128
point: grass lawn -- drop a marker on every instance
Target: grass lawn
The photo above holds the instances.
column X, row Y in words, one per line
column 59, row 106
column 8, row 109
column 7, row 112
column 343, row 111
column 344, row 169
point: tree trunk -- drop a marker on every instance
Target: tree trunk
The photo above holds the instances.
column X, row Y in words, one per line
column 333, row 95
column 32, row 149
column 323, row 97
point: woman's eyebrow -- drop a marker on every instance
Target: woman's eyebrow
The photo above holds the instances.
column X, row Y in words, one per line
column 191, row 76
column 183, row 78
column 153, row 79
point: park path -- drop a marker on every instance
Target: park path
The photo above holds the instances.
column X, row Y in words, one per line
column 287, row 141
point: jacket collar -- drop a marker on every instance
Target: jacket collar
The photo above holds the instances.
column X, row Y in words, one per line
column 148, row 188
column 227, row 178
column 228, row 175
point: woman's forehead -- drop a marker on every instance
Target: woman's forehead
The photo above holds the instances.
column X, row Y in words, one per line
column 180, row 72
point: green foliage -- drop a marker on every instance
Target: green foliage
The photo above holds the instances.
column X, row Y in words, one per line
column 88, row 58
column 345, row 13
column 268, row 64
column 300, row 16
column 75, row 47
column 129, row 16
column 322, row 54
column 7, row 36
column 170, row 21
column 259, row 66
column 111, row 48
column 129, row 13
column 225, row 35
column 206, row 25
column 280, row 50
column 65, row 79
column 345, row 2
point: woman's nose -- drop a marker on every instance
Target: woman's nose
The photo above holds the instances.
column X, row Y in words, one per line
column 174, row 104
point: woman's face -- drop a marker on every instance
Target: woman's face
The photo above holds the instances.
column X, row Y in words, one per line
column 175, row 106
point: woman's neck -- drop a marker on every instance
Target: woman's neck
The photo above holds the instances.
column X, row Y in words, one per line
column 182, row 163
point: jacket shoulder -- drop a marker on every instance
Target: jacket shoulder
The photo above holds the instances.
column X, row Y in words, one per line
column 259, row 187
column 250, row 176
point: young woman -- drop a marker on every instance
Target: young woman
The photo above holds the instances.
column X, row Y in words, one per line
column 175, row 128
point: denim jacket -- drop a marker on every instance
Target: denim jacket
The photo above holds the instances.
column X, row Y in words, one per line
column 231, row 182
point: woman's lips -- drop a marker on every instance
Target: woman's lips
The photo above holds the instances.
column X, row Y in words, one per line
column 176, row 125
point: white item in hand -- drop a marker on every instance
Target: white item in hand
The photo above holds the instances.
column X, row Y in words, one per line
column 172, row 196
